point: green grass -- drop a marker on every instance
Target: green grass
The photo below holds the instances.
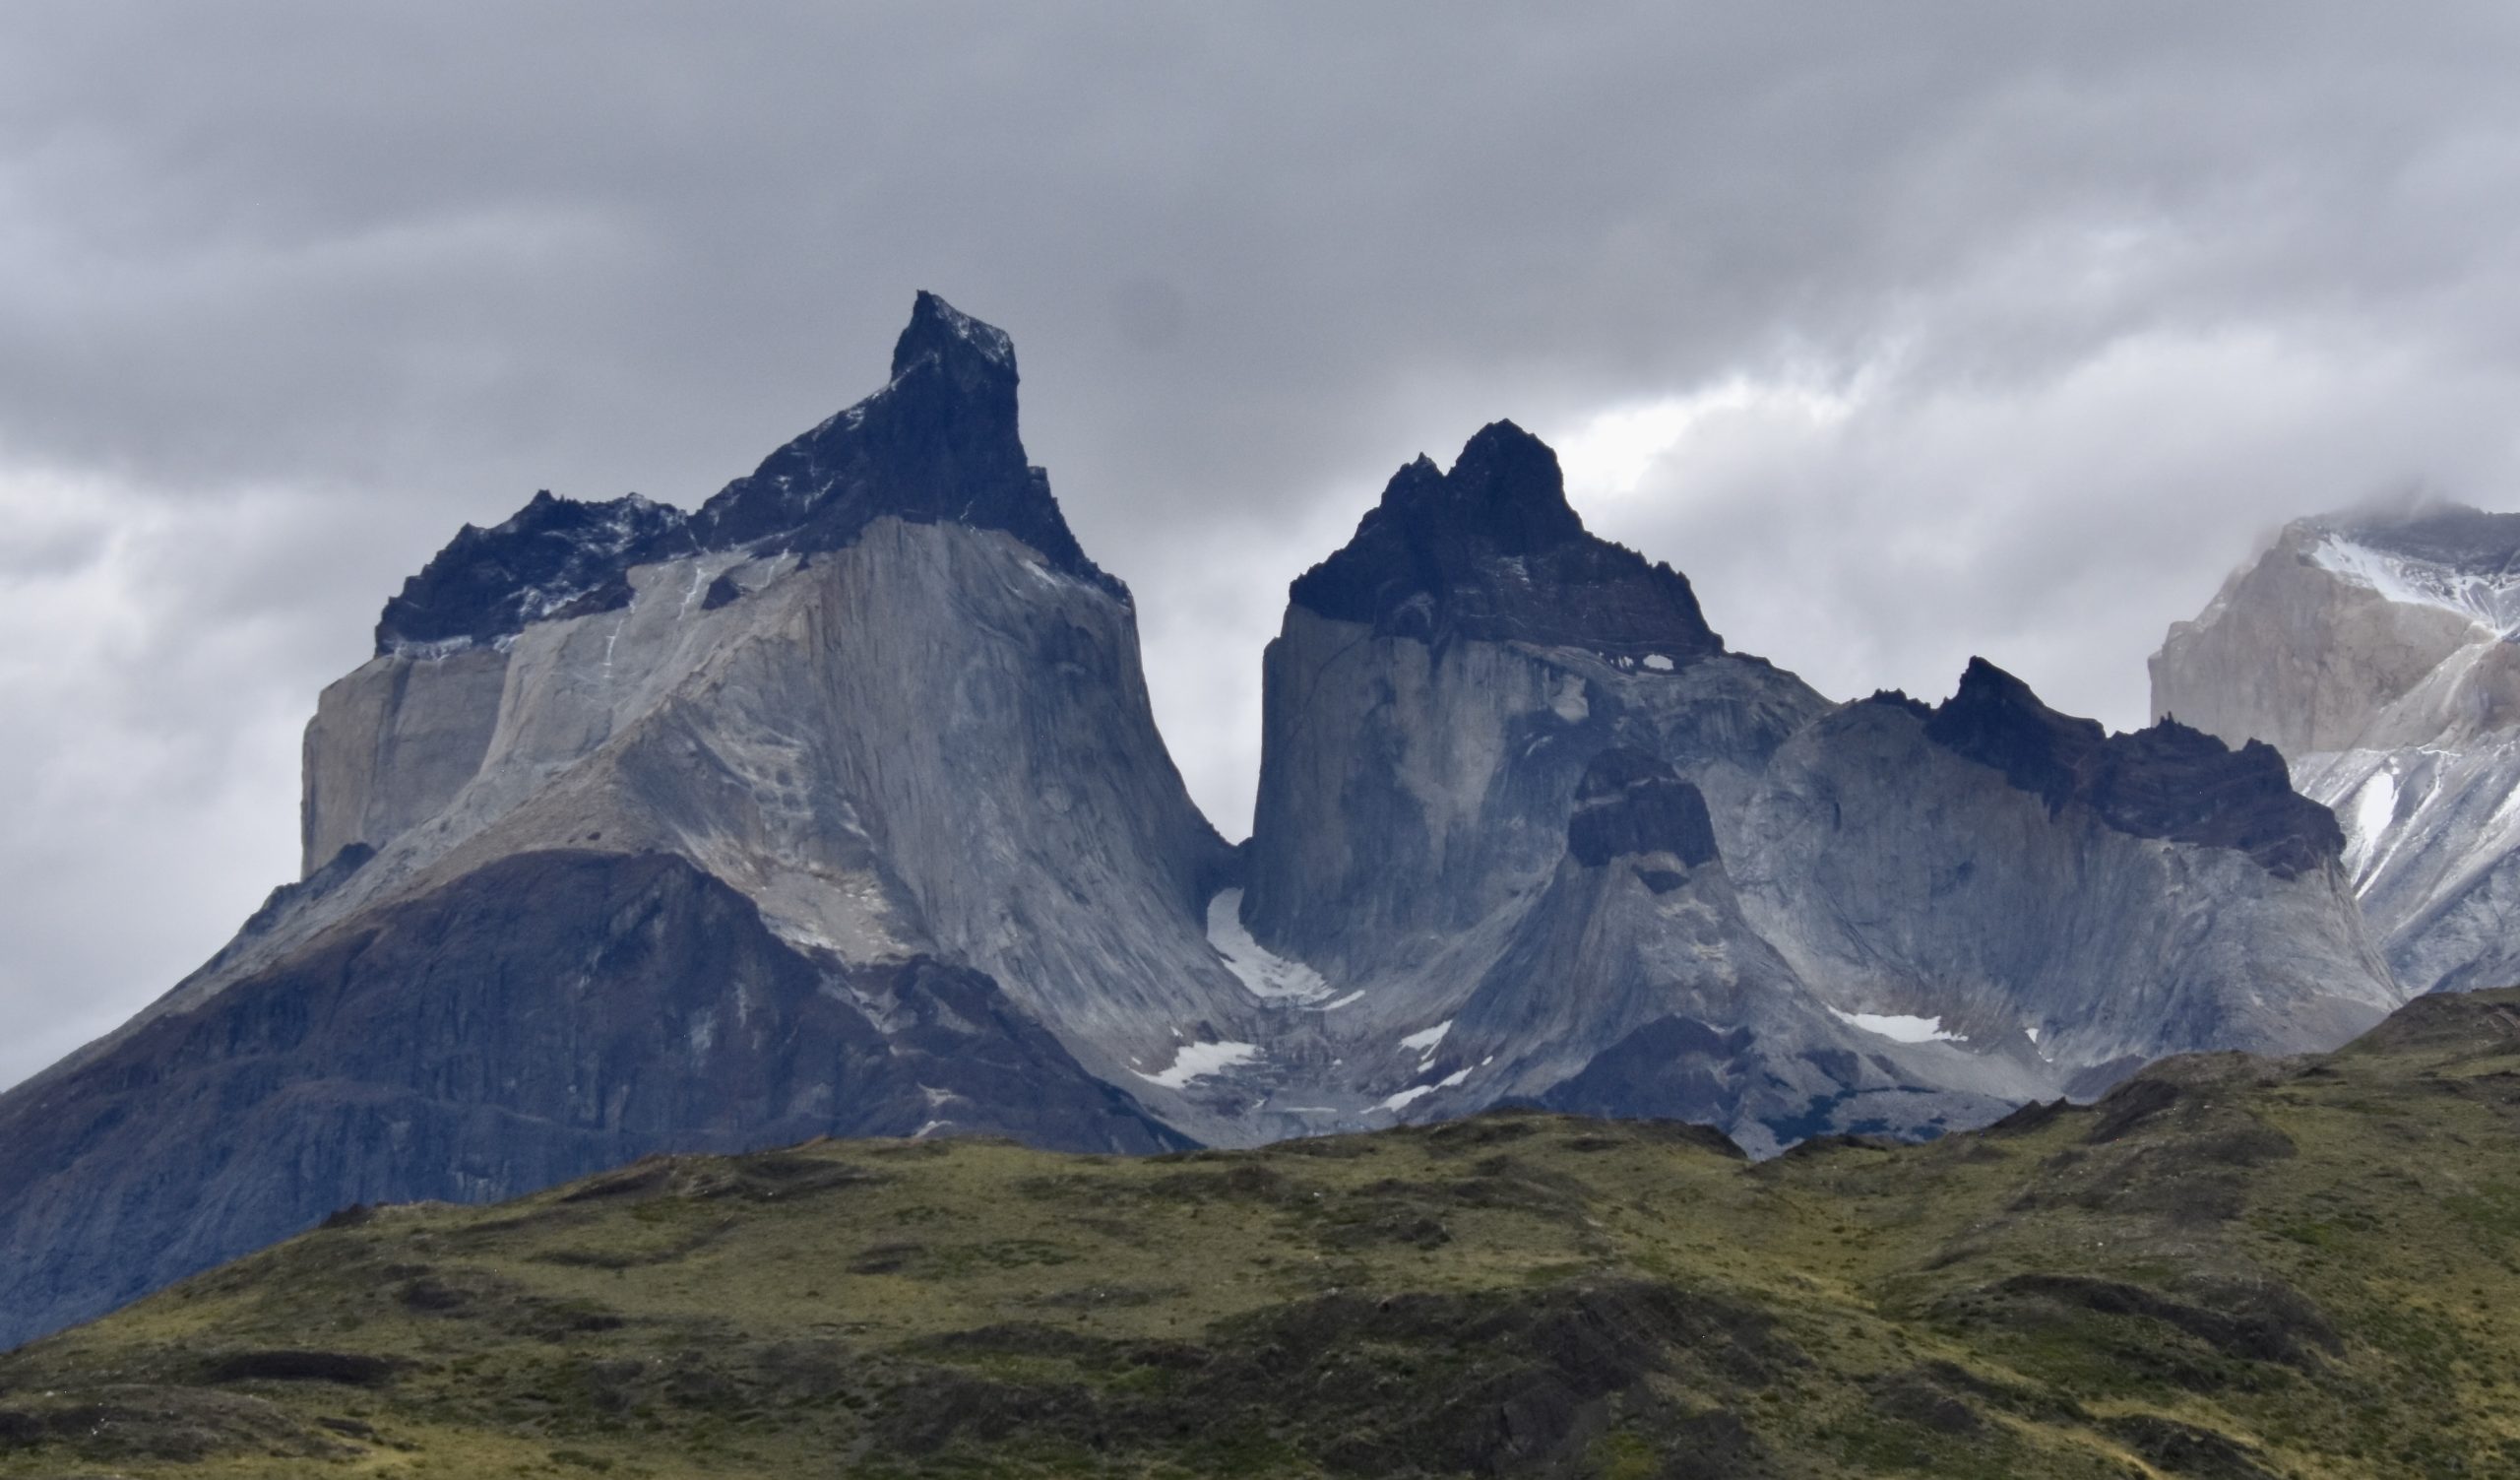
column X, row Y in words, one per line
column 2303, row 1270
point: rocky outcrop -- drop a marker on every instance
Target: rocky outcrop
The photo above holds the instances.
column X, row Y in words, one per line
column 393, row 743
column 2168, row 782
column 2375, row 650
column 1631, row 805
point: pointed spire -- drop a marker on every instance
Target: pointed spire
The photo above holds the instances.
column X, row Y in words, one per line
column 972, row 354
column 938, row 444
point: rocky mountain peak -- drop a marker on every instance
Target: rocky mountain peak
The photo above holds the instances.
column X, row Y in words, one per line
column 2169, row 781
column 1492, row 551
column 936, row 445
column 1505, row 491
column 1994, row 719
column 968, row 353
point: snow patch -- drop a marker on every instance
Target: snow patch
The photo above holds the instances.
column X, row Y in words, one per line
column 612, row 639
column 2376, row 806
column 1424, row 1041
column 1897, row 1028
column 442, row 648
column 1200, row 1060
column 2491, row 599
column 1417, row 1092
column 1343, row 1001
column 1658, row 663
column 1269, row 976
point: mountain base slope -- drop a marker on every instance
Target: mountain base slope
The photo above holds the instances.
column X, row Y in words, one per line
column 2230, row 1266
column 536, row 1020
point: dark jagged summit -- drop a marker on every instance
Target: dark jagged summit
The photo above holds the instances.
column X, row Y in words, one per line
column 1492, row 551
column 1995, row 719
column 554, row 557
column 938, row 444
column 2168, row 781
column 1504, row 489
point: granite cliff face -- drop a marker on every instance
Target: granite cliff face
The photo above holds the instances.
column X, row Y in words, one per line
column 1636, row 985
column 2376, row 651
column 2024, row 881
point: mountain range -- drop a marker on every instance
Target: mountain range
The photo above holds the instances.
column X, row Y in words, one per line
column 836, row 806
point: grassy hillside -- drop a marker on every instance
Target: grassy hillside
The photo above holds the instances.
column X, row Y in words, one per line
column 2228, row 1269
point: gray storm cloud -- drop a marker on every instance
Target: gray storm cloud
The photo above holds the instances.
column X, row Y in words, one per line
column 1908, row 332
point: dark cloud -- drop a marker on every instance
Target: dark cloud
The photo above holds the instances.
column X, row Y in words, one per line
column 1931, row 329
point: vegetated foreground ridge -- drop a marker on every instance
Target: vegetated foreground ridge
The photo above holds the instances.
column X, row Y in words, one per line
column 2230, row 1267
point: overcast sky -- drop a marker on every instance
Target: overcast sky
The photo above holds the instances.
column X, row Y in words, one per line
column 1907, row 331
